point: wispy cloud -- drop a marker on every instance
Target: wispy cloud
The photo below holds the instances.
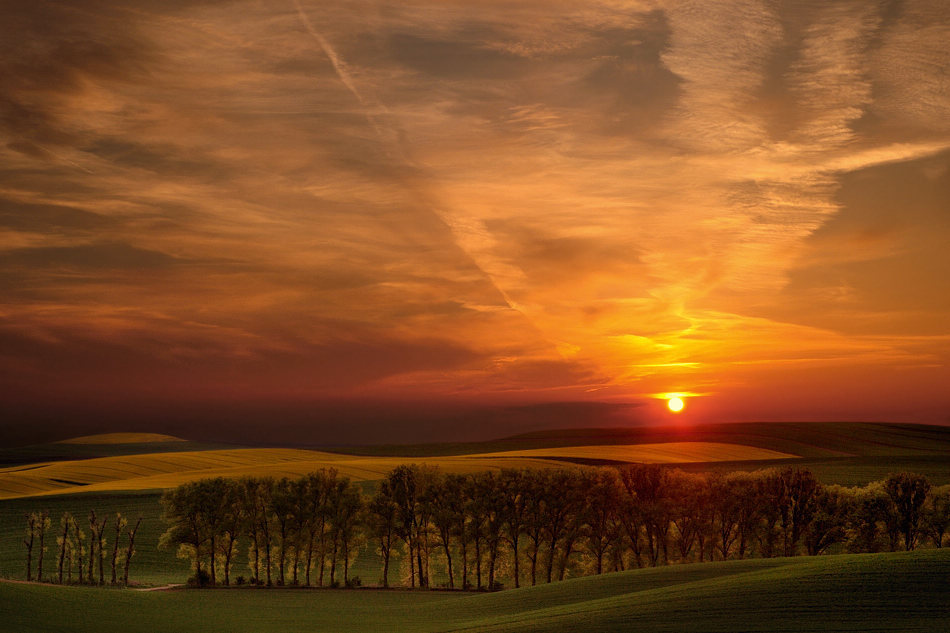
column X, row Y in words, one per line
column 548, row 200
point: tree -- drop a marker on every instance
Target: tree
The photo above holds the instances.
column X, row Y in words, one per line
column 403, row 482
column 559, row 506
column 647, row 485
column 797, row 505
column 599, row 513
column 120, row 523
column 184, row 514
column 382, row 519
column 444, row 501
column 936, row 514
column 42, row 526
column 870, row 506
column 32, row 521
column 833, row 506
column 232, row 521
column 130, row 551
column 517, row 499
column 80, row 550
column 908, row 491
column 347, row 510
column 688, row 496
column 724, row 497
column 66, row 523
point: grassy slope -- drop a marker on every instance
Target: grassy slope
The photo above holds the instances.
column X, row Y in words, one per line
column 150, row 565
column 58, row 451
column 850, row 453
column 904, row 592
column 808, row 439
column 165, row 470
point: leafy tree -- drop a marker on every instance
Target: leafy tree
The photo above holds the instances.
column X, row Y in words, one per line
column 908, row 491
column 600, row 518
column 517, row 499
column 647, row 486
column 184, row 512
column 936, row 514
column 833, row 506
column 382, row 520
column 120, row 523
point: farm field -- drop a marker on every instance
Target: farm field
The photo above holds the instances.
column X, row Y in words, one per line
column 806, row 439
column 165, row 470
column 900, row 592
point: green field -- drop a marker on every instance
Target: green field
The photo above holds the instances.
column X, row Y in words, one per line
column 903, row 592
column 115, row 480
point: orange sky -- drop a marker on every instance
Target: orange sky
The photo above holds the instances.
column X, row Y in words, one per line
column 743, row 201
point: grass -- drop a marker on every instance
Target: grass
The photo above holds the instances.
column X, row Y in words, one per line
column 150, row 565
column 904, row 592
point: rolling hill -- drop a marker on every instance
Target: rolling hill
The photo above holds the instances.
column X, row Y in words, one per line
column 899, row 592
column 150, row 471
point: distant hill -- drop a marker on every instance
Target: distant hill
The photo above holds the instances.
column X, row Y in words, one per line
column 122, row 438
column 805, row 439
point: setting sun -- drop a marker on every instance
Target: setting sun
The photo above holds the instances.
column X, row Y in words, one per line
column 675, row 404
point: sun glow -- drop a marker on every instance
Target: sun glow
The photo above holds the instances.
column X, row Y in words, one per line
column 675, row 404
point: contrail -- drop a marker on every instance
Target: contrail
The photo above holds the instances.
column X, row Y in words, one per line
column 463, row 235
column 338, row 64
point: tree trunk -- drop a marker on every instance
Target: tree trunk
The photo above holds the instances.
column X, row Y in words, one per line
column 31, row 525
column 42, row 531
column 448, row 560
column 62, row 549
column 130, row 551
column 309, row 557
column 478, row 565
column 514, row 549
column 79, row 552
column 385, row 552
column 115, row 550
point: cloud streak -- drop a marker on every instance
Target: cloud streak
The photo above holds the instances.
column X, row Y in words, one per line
column 478, row 201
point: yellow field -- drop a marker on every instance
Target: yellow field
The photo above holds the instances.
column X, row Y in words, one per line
column 166, row 470
column 666, row 453
column 121, row 438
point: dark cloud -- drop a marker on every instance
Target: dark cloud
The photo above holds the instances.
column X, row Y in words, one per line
column 50, row 218
column 881, row 264
column 460, row 55
column 47, row 51
column 88, row 257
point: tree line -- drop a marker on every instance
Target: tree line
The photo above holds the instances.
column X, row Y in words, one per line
column 305, row 530
column 75, row 552
column 529, row 526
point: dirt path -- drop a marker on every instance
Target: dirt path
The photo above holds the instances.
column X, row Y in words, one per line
column 33, row 582
column 162, row 588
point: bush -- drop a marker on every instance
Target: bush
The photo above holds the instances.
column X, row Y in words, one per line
column 354, row 582
column 240, row 580
column 200, row 579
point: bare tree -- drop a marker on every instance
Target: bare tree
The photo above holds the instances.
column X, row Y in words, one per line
column 120, row 523
column 32, row 519
column 42, row 526
column 130, row 551
column 66, row 522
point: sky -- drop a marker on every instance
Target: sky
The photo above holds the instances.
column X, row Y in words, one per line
column 369, row 219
